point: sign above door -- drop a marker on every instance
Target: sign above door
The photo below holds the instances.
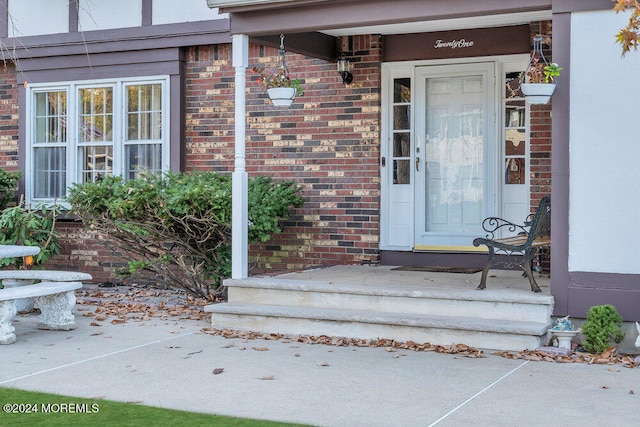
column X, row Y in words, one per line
column 457, row 44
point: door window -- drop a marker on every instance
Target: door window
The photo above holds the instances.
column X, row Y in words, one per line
column 401, row 157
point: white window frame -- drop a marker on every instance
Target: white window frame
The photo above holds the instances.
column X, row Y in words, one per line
column 73, row 161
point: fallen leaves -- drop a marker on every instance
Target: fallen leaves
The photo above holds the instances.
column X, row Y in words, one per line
column 388, row 344
column 218, row 371
column 608, row 357
column 122, row 304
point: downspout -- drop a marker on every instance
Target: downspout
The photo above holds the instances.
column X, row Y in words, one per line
column 240, row 180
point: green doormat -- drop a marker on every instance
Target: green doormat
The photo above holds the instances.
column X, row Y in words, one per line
column 439, row 269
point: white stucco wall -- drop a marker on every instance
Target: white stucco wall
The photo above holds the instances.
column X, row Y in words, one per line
column 108, row 14
column 604, row 205
column 172, row 11
column 37, row 17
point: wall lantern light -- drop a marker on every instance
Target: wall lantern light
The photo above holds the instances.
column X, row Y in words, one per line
column 344, row 67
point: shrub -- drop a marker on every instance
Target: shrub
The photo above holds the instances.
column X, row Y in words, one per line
column 602, row 328
column 8, row 186
column 30, row 227
column 178, row 225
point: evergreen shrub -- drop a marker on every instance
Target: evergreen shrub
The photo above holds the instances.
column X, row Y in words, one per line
column 176, row 228
column 602, row 328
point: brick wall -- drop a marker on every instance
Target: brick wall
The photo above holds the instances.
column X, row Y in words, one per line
column 540, row 140
column 84, row 250
column 8, row 118
column 209, row 96
column 540, row 133
column 328, row 141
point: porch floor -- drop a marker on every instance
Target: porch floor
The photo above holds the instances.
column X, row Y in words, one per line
column 384, row 276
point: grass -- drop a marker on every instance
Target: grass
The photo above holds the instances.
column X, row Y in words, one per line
column 55, row 410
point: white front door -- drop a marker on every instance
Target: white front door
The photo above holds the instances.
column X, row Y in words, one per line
column 454, row 154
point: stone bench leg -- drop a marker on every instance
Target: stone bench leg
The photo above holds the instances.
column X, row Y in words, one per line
column 57, row 311
column 23, row 305
column 7, row 313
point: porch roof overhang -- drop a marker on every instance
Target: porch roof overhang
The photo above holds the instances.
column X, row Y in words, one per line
column 313, row 26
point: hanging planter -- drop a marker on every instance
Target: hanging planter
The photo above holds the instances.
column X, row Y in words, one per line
column 537, row 93
column 282, row 96
column 538, row 81
column 281, row 88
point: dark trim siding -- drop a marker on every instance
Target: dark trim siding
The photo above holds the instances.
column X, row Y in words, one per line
column 565, row 6
column 73, row 16
column 177, row 155
column 147, row 12
column 22, row 128
column 4, row 20
column 330, row 15
column 576, row 291
column 587, row 289
column 100, row 66
column 560, row 166
column 122, row 39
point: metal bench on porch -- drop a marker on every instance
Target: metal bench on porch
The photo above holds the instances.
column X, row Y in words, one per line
column 519, row 248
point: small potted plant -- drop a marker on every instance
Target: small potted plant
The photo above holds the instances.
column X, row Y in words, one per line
column 539, row 83
column 281, row 88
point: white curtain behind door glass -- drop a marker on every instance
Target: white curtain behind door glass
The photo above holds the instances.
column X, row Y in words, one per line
column 455, row 152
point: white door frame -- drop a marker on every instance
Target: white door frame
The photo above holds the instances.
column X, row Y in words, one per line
column 397, row 201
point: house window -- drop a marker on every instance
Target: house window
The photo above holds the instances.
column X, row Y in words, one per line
column 80, row 132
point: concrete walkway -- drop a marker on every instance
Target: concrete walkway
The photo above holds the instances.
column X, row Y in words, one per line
column 170, row 363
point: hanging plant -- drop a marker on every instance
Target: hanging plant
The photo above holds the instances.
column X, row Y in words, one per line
column 281, row 88
column 538, row 81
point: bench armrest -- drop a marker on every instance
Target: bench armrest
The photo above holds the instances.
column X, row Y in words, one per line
column 493, row 225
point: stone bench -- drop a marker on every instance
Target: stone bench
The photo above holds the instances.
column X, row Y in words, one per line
column 55, row 299
column 16, row 278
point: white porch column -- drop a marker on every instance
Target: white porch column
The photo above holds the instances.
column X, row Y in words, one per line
column 240, row 189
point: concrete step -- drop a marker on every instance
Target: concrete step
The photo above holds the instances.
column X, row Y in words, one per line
column 504, row 305
column 366, row 324
column 379, row 302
